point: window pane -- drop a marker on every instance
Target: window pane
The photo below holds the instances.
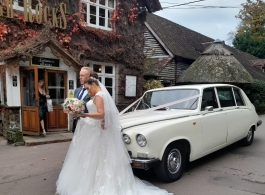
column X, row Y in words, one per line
column 102, row 21
column 108, row 82
column 93, row 10
column 157, row 98
column 28, row 88
column 101, row 17
column 93, row 1
column 238, row 96
column 225, row 96
column 111, row 3
column 21, row 3
column 209, row 98
column 109, row 90
column 97, row 68
column 102, row 2
column 100, row 79
column 34, row 3
column 102, row 12
column 92, row 19
column 109, row 69
column 56, row 88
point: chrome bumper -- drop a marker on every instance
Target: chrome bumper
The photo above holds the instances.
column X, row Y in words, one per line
column 144, row 163
column 259, row 122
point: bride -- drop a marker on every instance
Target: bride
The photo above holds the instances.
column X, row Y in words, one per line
column 97, row 162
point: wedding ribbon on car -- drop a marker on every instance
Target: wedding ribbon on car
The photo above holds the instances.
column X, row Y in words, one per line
column 154, row 108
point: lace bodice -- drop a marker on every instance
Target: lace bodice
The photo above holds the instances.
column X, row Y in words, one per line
column 90, row 104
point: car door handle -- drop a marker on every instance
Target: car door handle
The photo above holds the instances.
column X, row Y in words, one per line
column 220, row 110
column 237, row 107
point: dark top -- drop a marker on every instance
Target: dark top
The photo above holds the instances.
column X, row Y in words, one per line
column 42, row 106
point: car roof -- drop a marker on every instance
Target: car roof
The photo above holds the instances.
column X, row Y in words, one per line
column 192, row 86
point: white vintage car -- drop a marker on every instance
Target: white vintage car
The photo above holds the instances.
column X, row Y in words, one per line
column 169, row 126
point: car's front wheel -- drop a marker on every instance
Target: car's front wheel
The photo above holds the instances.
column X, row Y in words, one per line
column 247, row 141
column 172, row 164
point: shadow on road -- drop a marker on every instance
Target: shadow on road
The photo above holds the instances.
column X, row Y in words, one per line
column 235, row 148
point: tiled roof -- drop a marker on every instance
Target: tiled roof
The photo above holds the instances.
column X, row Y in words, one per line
column 181, row 41
column 186, row 43
column 246, row 60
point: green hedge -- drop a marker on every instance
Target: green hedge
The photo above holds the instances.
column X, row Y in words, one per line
column 256, row 94
column 152, row 84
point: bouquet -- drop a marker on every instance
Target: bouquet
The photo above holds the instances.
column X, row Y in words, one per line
column 73, row 106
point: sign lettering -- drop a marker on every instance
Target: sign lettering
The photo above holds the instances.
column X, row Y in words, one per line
column 40, row 61
column 41, row 14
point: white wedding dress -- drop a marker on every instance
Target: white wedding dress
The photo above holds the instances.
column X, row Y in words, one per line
column 97, row 163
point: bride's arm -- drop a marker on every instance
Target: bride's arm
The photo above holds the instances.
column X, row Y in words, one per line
column 98, row 101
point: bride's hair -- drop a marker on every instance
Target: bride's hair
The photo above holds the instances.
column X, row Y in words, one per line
column 91, row 80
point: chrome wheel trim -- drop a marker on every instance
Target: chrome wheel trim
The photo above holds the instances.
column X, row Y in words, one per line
column 174, row 161
column 249, row 136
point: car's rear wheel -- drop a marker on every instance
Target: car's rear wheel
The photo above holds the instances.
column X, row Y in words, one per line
column 247, row 141
column 172, row 164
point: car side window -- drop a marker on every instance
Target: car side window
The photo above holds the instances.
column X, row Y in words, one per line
column 238, row 96
column 226, row 96
column 209, row 98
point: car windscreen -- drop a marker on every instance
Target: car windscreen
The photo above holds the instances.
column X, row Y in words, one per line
column 156, row 98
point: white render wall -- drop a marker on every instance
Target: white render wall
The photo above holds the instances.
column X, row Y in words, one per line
column 13, row 93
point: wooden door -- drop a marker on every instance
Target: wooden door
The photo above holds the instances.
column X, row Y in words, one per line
column 29, row 100
column 56, row 85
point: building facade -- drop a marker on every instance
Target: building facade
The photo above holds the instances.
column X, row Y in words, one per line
column 44, row 39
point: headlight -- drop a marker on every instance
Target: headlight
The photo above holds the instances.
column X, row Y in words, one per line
column 141, row 140
column 126, row 139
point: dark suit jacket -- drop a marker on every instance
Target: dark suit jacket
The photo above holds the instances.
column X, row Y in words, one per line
column 85, row 99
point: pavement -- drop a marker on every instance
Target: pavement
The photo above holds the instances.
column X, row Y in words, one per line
column 51, row 137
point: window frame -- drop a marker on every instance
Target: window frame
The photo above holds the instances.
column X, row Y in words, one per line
column 108, row 13
column 104, row 75
column 16, row 5
column 241, row 96
column 216, row 98
column 233, row 96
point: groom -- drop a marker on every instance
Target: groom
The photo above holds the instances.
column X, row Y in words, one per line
column 81, row 92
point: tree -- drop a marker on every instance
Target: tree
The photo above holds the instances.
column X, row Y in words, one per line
column 250, row 35
column 252, row 18
column 245, row 42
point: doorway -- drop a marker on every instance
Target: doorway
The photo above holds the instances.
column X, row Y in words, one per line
column 55, row 86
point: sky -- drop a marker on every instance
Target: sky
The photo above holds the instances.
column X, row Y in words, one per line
column 212, row 22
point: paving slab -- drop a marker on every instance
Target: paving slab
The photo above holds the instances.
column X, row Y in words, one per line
column 49, row 138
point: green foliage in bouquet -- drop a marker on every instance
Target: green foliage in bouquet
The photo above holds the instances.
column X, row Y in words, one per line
column 73, row 106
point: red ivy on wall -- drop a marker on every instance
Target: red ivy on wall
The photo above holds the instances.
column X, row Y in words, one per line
column 123, row 45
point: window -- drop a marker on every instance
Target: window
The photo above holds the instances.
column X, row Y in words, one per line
column 209, row 98
column 225, row 96
column 19, row 5
column 97, row 13
column 106, row 75
column 160, row 97
column 238, row 96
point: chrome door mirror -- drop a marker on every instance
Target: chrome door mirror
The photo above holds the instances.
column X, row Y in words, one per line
column 208, row 108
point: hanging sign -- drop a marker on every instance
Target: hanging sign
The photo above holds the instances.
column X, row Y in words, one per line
column 40, row 61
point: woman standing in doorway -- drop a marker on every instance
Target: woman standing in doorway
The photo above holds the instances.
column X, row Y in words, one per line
column 42, row 104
